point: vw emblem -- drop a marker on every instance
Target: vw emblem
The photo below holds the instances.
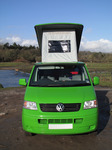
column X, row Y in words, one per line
column 60, row 107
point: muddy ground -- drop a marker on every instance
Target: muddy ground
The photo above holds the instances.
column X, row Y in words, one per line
column 12, row 136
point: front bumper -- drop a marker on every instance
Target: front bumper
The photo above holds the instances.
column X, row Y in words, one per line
column 81, row 122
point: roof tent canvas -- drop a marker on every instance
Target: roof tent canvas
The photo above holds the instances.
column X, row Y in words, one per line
column 59, row 42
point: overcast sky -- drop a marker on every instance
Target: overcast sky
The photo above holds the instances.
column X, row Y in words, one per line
column 18, row 18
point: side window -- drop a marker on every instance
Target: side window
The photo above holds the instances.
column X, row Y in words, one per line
column 59, row 46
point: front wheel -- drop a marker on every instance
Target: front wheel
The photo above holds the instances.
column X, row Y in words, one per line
column 29, row 134
column 94, row 133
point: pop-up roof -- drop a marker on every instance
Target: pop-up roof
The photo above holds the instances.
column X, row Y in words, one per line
column 59, row 42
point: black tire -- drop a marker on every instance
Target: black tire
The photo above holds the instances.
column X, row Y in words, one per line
column 94, row 133
column 29, row 134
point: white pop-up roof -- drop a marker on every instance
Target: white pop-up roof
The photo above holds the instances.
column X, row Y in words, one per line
column 59, row 42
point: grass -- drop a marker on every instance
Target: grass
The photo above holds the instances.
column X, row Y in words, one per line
column 10, row 88
column 9, row 64
column 23, row 66
column 103, row 71
column 99, row 66
column 104, row 80
column 106, row 83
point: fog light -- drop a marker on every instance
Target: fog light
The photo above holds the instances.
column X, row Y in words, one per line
column 92, row 127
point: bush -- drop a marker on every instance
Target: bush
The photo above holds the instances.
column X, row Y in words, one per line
column 94, row 57
column 29, row 55
column 1, row 86
column 9, row 55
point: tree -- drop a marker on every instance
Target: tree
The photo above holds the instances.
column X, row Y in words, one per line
column 6, row 46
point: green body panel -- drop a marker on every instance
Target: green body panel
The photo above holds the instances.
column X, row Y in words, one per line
column 96, row 80
column 22, row 82
column 58, row 23
column 36, row 121
column 86, row 121
column 59, row 94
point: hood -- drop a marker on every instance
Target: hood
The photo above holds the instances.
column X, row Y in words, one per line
column 60, row 94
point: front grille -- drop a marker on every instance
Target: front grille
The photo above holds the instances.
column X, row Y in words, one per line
column 55, row 121
column 51, row 121
column 68, row 107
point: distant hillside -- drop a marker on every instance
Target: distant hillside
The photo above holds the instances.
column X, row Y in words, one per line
column 87, row 56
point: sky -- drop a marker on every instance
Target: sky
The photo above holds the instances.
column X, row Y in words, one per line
column 18, row 18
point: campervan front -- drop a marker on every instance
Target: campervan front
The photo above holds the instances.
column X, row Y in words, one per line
column 59, row 97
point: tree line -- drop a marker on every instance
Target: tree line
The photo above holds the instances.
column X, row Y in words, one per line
column 16, row 52
column 97, row 57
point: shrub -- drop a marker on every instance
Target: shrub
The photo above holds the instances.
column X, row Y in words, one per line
column 1, row 86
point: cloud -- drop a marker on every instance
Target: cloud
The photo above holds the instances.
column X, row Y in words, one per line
column 18, row 40
column 29, row 42
column 101, row 45
column 11, row 40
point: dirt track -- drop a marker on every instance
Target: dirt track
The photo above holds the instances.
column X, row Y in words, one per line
column 12, row 136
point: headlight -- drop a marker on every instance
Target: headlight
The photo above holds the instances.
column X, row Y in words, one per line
column 30, row 105
column 90, row 104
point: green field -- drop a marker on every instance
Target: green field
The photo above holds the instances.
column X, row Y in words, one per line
column 23, row 66
column 99, row 66
column 102, row 70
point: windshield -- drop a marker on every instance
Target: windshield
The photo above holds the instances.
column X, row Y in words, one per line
column 59, row 75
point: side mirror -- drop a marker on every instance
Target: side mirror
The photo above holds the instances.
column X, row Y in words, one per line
column 96, row 80
column 22, row 82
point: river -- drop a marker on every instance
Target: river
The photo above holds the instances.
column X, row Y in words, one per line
column 10, row 78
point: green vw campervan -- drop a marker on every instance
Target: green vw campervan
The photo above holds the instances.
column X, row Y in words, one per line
column 59, row 97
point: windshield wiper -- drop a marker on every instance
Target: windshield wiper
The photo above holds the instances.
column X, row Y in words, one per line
column 82, row 84
column 60, row 85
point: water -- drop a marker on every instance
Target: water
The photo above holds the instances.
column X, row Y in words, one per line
column 10, row 78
